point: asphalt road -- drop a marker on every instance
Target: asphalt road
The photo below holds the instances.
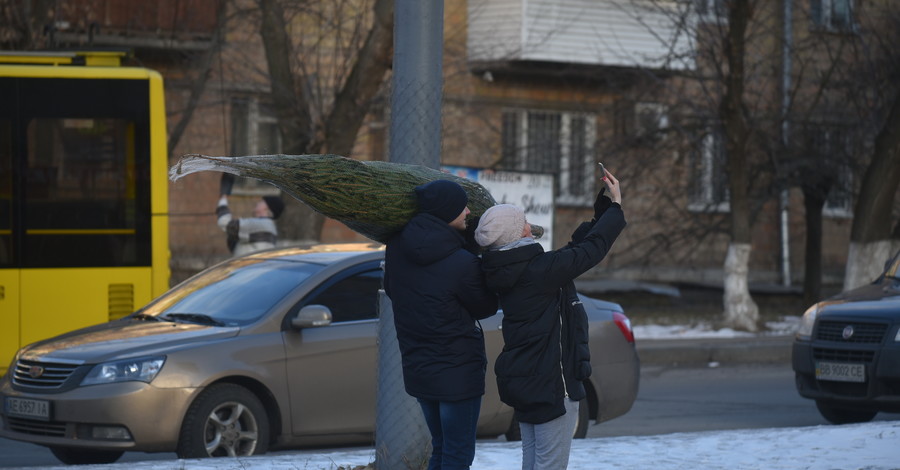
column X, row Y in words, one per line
column 671, row 399
column 744, row 396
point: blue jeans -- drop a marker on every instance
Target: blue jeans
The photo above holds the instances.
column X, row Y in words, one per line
column 452, row 425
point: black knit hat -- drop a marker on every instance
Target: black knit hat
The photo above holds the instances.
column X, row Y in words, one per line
column 442, row 198
column 276, row 205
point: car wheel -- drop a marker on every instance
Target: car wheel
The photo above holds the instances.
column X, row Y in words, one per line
column 584, row 418
column 225, row 420
column 72, row 456
column 835, row 414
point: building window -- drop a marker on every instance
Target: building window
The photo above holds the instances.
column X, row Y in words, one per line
column 709, row 180
column 711, row 10
column 640, row 123
column 832, row 15
column 552, row 142
column 254, row 131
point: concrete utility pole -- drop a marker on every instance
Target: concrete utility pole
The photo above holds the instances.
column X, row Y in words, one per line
column 402, row 440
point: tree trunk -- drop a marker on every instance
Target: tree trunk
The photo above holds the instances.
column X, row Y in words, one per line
column 814, row 201
column 342, row 123
column 870, row 237
column 299, row 222
column 740, row 310
column 361, row 87
column 868, row 261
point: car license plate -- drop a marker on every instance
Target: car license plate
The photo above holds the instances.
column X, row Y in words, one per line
column 840, row 372
column 28, row 408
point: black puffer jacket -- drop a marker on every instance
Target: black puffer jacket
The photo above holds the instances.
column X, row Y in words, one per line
column 437, row 290
column 546, row 357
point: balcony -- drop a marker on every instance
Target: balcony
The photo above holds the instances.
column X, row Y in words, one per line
column 184, row 25
column 579, row 34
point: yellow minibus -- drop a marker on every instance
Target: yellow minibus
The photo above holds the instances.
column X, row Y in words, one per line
column 83, row 193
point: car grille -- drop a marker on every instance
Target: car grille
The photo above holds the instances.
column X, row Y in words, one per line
column 841, row 355
column 867, row 333
column 45, row 375
column 37, row 428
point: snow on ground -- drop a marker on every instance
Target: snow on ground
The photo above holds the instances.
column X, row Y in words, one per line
column 871, row 446
column 787, row 326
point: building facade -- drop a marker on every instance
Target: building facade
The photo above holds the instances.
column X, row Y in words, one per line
column 541, row 86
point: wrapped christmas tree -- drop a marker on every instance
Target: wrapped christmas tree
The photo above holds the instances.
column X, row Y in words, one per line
column 373, row 198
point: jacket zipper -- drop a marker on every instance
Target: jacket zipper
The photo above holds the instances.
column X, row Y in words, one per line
column 562, row 371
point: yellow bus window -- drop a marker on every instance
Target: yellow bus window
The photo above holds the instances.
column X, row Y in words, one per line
column 5, row 192
column 83, row 150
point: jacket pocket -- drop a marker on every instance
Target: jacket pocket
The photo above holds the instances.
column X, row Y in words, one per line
column 525, row 358
column 527, row 393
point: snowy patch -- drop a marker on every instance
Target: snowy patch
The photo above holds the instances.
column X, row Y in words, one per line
column 871, row 446
column 784, row 327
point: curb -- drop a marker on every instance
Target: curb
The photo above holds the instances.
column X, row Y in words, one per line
column 753, row 350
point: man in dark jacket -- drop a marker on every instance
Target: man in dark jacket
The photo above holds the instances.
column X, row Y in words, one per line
column 438, row 294
column 545, row 358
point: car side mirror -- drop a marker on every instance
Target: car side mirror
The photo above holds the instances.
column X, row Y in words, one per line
column 312, row 316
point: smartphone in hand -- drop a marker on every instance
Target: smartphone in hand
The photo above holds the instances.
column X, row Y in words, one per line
column 602, row 170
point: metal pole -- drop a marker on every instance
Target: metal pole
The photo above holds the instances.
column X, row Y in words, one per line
column 784, row 199
column 402, row 440
column 417, row 82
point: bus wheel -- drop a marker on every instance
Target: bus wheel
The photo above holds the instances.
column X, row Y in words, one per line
column 225, row 420
column 72, row 456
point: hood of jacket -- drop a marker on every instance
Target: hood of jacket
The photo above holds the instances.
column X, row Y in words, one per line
column 502, row 269
column 427, row 239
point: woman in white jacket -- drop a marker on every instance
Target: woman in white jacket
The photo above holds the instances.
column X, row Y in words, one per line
column 250, row 234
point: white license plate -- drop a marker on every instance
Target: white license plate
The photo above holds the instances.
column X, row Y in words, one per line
column 840, row 372
column 28, row 408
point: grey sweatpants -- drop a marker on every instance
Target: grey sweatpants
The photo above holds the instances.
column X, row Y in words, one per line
column 546, row 446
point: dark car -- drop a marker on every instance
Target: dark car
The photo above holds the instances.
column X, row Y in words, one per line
column 271, row 350
column 846, row 354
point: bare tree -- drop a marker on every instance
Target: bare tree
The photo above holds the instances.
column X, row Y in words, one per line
column 26, row 25
column 723, row 128
column 740, row 69
column 877, row 98
column 203, row 64
column 740, row 309
column 322, row 88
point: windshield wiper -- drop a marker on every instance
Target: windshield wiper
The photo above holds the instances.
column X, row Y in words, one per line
column 143, row 317
column 193, row 318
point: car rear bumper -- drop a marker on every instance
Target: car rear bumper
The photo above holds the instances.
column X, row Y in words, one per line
column 881, row 388
column 78, row 416
column 617, row 387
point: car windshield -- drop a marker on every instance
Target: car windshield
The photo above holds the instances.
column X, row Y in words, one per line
column 237, row 293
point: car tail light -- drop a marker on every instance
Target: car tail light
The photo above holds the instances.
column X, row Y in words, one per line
column 624, row 325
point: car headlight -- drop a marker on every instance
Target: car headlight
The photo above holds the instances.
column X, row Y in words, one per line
column 807, row 322
column 141, row 369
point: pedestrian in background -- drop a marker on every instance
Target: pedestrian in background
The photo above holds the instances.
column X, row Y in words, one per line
column 250, row 234
column 438, row 295
column 545, row 328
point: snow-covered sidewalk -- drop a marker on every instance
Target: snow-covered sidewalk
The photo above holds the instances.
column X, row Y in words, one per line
column 871, row 446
